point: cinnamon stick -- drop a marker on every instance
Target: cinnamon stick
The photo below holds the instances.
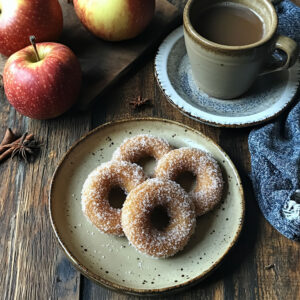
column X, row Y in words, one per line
column 8, row 138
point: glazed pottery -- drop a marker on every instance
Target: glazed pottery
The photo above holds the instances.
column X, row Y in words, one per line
column 268, row 97
column 227, row 72
column 111, row 260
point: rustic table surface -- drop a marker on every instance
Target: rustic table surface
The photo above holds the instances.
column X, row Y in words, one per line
column 34, row 267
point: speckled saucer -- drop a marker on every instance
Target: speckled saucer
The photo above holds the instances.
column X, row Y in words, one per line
column 267, row 98
column 110, row 260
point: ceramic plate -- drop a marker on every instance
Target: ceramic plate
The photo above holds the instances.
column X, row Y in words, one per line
column 110, row 260
column 268, row 97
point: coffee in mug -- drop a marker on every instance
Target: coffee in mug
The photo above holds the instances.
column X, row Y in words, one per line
column 229, row 44
column 229, row 24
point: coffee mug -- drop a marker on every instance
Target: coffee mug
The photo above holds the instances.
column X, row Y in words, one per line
column 227, row 72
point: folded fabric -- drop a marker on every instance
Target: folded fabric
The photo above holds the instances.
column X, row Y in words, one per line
column 275, row 152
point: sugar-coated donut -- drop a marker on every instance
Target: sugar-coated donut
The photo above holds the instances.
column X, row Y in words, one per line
column 140, row 146
column 94, row 196
column 136, row 217
column 209, row 180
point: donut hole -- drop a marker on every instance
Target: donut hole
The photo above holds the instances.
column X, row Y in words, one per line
column 187, row 180
column 116, row 197
column 159, row 218
column 148, row 164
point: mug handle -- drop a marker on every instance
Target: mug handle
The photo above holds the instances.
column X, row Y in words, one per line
column 290, row 47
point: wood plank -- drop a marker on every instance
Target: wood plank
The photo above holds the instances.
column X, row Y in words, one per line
column 115, row 106
column 103, row 63
column 260, row 244
column 242, row 274
column 35, row 268
column 240, row 263
column 297, row 2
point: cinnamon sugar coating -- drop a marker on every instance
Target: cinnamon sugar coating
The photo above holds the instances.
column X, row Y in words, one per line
column 94, row 196
column 136, row 218
column 140, row 146
column 209, row 181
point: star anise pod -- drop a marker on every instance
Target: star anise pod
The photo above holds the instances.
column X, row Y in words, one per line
column 25, row 147
column 139, row 102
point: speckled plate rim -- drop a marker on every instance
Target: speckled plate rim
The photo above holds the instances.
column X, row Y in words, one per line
column 114, row 286
column 162, row 77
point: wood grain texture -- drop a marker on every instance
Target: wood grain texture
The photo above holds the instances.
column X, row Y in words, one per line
column 104, row 63
column 297, row 2
column 33, row 266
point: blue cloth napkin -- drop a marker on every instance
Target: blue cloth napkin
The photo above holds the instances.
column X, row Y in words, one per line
column 275, row 152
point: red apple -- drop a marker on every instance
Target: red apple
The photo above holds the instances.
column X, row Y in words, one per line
column 42, row 84
column 20, row 18
column 115, row 20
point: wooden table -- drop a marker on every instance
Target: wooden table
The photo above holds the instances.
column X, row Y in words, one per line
column 31, row 262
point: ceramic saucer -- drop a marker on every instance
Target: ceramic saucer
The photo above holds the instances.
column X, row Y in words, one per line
column 267, row 98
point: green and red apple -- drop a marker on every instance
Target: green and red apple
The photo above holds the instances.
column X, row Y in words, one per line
column 21, row 18
column 115, row 20
column 42, row 83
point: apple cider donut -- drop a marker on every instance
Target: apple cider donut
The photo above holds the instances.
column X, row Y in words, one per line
column 139, row 146
column 209, row 181
column 137, row 220
column 95, row 192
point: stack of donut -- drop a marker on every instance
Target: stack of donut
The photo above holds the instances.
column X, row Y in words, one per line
column 144, row 195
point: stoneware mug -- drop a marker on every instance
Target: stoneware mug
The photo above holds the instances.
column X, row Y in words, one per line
column 227, row 72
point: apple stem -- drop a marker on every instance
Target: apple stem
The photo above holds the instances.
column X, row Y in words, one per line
column 32, row 41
